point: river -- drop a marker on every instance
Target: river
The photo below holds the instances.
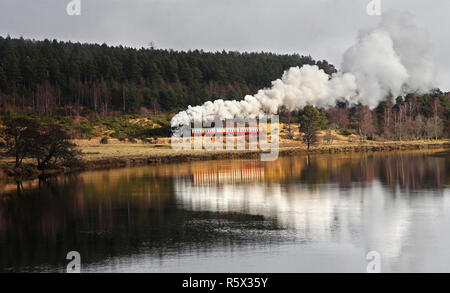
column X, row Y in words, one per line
column 321, row 213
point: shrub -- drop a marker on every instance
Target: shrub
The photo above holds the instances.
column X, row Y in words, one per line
column 157, row 132
column 52, row 145
column 345, row 131
column 104, row 140
column 86, row 129
column 19, row 133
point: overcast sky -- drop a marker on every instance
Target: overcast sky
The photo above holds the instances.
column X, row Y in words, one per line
column 323, row 29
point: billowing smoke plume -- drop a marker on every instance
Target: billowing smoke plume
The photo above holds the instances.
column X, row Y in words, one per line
column 390, row 60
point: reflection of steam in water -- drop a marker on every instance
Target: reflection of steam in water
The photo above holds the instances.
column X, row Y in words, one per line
column 273, row 201
column 321, row 212
column 370, row 217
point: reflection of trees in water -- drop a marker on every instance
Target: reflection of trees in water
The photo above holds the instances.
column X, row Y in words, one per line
column 104, row 216
column 408, row 170
column 125, row 211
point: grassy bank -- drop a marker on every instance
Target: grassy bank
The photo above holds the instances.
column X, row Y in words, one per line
column 118, row 154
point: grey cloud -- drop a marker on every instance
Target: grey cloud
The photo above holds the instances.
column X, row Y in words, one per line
column 321, row 28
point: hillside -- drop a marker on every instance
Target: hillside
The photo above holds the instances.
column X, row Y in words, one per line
column 51, row 77
column 97, row 90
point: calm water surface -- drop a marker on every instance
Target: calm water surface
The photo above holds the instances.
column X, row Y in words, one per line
column 321, row 213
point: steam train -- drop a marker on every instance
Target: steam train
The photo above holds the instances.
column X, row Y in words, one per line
column 219, row 130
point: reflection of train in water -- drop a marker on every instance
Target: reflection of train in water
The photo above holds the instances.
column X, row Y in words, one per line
column 246, row 174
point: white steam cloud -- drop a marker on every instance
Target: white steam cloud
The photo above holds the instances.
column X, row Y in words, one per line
column 390, row 60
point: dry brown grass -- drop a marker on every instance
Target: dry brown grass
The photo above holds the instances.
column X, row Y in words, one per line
column 93, row 150
column 120, row 154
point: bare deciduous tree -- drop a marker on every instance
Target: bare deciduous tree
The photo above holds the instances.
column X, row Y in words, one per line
column 365, row 122
column 19, row 134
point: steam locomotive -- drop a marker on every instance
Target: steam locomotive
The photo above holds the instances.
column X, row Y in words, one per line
column 219, row 130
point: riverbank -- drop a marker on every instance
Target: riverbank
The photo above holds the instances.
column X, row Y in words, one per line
column 116, row 155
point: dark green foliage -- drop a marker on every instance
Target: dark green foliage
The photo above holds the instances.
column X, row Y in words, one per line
column 44, row 76
column 86, row 129
column 104, row 140
column 56, row 80
column 345, row 132
column 311, row 121
column 158, row 132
